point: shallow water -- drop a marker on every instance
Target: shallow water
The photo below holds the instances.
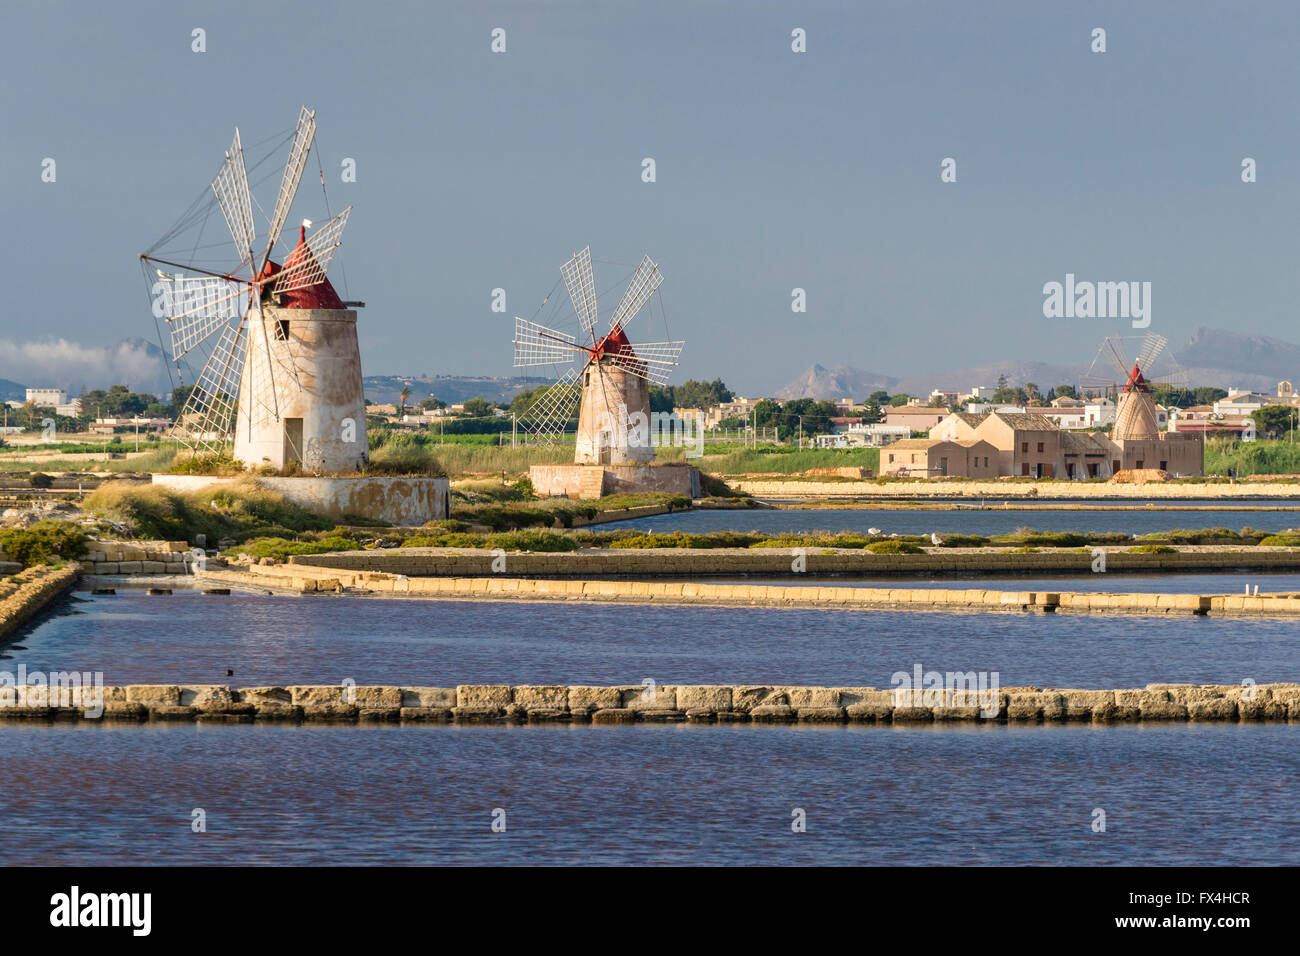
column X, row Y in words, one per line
column 189, row 637
column 1174, row 794
column 958, row 521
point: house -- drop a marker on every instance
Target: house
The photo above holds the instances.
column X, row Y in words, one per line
column 47, row 397
column 919, row 418
column 938, row 458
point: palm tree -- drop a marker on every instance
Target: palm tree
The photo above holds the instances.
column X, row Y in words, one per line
column 404, row 394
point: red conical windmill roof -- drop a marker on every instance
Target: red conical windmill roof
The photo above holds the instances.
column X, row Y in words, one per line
column 318, row 296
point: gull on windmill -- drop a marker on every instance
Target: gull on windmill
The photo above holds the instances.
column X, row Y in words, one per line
column 607, row 378
column 281, row 370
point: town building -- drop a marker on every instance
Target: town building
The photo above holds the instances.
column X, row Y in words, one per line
column 919, row 418
column 939, row 458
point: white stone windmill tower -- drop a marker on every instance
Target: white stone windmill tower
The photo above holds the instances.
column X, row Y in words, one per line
column 282, row 376
column 607, row 378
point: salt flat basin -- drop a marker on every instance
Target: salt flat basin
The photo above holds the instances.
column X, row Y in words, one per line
column 958, row 521
column 646, row 794
column 192, row 638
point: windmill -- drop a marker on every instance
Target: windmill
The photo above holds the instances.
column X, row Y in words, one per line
column 1135, row 409
column 281, row 371
column 605, row 377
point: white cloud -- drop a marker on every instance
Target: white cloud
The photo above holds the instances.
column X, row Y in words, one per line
column 59, row 363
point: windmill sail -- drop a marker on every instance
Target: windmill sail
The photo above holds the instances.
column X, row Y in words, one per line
column 538, row 345
column 206, row 421
column 653, row 361
column 231, row 190
column 581, row 283
column 645, row 281
column 303, row 137
column 309, row 268
column 548, row 417
column 196, row 306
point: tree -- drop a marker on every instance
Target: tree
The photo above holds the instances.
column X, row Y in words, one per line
column 430, row 403
column 899, row 400
column 478, row 407
column 1065, row 391
column 1274, row 420
column 403, row 393
column 878, row 398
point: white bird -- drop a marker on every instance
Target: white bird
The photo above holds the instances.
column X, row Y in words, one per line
column 935, row 539
column 874, row 531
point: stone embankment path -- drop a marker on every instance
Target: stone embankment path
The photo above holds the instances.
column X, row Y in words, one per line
column 627, row 704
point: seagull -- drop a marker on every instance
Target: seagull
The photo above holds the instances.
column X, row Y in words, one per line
column 935, row 539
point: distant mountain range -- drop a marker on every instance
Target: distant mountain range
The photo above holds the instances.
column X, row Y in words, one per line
column 451, row 389
column 1213, row 357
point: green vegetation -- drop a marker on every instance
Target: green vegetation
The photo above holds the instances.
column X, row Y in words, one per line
column 404, row 458
column 45, row 542
column 280, row 548
column 1151, row 549
column 1263, row 457
column 1203, row 536
column 786, row 461
column 1055, row 539
column 1281, row 541
column 239, row 510
column 530, row 540
column 894, row 547
column 681, row 539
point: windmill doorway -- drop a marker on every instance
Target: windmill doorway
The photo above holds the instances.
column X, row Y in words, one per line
column 292, row 440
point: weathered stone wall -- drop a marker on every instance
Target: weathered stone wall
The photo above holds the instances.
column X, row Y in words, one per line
column 31, row 591
column 592, row 481
column 1002, row 490
column 635, row 703
column 401, row 501
column 138, row 557
column 303, row 579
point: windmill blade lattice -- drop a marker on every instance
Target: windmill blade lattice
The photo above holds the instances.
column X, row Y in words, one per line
column 303, row 137
column 548, row 417
column 231, row 190
column 205, row 423
column 652, row 361
column 538, row 345
column 581, row 283
column 645, row 281
column 196, row 306
column 310, row 269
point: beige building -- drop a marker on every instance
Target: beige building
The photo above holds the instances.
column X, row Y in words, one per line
column 1032, row 445
column 937, row 458
column 920, row 418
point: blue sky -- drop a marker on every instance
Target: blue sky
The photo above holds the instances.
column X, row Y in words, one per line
column 775, row 170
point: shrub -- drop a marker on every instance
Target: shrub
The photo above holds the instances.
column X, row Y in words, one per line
column 238, row 510
column 893, row 547
column 404, row 459
column 44, row 542
column 1281, row 541
column 280, row 548
column 41, row 480
column 1152, row 549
